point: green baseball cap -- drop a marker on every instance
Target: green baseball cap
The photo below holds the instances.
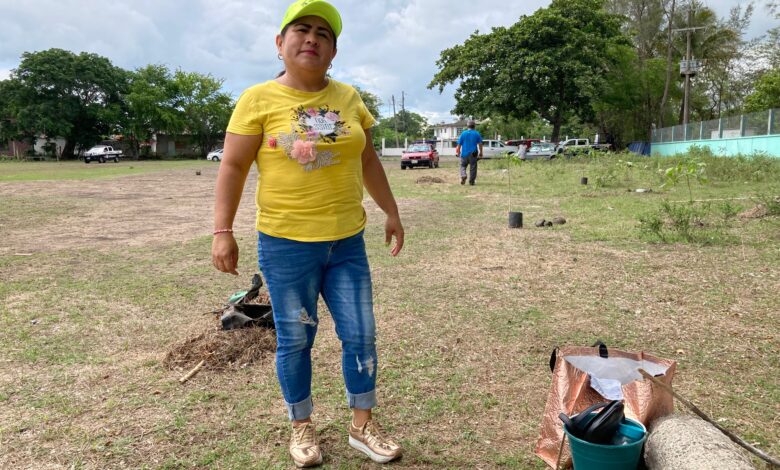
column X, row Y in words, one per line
column 320, row 8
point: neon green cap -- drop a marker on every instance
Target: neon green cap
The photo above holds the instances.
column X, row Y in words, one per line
column 320, row 8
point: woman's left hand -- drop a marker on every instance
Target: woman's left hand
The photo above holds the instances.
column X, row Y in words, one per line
column 393, row 227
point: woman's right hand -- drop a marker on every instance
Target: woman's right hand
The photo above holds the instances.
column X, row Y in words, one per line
column 224, row 253
column 237, row 159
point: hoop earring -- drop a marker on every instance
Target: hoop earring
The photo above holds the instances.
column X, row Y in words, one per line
column 330, row 66
column 279, row 56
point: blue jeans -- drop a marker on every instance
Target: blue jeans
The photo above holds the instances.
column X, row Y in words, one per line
column 296, row 274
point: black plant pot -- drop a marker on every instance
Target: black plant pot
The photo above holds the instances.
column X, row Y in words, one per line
column 515, row 219
column 584, row 180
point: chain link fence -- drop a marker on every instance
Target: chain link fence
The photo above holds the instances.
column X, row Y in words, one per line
column 730, row 127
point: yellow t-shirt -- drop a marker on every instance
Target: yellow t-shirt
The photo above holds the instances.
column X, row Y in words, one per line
column 310, row 182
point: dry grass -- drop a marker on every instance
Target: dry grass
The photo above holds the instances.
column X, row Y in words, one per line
column 93, row 340
column 222, row 349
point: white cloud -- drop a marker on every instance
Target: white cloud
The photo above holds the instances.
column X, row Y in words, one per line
column 386, row 46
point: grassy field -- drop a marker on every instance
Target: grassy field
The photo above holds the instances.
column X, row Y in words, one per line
column 106, row 268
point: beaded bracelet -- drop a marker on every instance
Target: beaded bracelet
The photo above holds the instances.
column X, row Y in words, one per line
column 223, row 230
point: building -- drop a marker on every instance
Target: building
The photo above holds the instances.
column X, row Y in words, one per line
column 446, row 136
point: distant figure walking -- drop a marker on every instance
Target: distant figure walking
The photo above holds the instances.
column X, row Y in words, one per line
column 469, row 150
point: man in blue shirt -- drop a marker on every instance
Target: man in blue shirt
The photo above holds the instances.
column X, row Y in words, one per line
column 469, row 150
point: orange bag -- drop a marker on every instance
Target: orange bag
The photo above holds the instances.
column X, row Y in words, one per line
column 583, row 376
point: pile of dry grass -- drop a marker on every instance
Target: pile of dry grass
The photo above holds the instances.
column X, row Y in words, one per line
column 429, row 179
column 222, row 350
column 756, row 212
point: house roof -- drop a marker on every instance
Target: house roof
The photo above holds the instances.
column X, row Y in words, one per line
column 461, row 123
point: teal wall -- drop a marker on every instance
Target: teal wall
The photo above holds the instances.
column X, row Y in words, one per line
column 768, row 144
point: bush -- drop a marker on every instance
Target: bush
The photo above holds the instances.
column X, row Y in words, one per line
column 687, row 223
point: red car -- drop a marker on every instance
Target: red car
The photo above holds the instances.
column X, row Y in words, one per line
column 420, row 155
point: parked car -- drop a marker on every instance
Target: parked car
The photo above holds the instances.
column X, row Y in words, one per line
column 420, row 155
column 541, row 150
column 215, row 155
column 584, row 145
column 102, row 153
column 497, row 149
column 519, row 142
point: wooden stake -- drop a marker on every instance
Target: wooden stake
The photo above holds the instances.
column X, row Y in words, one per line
column 758, row 452
column 193, row 372
column 560, row 451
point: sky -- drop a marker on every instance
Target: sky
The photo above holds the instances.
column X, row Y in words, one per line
column 386, row 47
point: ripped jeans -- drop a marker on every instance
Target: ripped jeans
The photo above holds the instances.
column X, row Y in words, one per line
column 296, row 274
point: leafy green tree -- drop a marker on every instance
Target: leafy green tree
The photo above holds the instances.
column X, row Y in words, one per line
column 532, row 127
column 205, row 110
column 627, row 105
column 410, row 126
column 551, row 62
column 766, row 94
column 151, row 103
column 8, row 101
column 372, row 102
column 59, row 93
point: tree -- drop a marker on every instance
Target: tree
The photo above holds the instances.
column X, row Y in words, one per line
column 59, row 93
column 551, row 62
column 767, row 93
column 205, row 109
column 151, row 105
column 8, row 100
column 372, row 102
column 410, row 126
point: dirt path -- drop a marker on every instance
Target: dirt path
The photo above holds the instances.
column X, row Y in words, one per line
column 131, row 211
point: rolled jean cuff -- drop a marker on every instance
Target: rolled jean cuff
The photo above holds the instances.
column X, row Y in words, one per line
column 362, row 401
column 301, row 410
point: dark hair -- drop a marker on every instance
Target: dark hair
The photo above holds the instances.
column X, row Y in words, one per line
column 284, row 31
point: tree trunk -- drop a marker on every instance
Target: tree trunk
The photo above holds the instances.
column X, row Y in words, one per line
column 556, row 127
column 665, row 97
column 67, row 151
column 135, row 146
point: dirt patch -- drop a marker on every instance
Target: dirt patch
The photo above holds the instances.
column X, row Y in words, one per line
column 129, row 211
column 222, row 349
column 430, row 180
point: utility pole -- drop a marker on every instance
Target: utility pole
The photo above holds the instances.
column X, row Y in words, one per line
column 395, row 121
column 403, row 114
column 688, row 67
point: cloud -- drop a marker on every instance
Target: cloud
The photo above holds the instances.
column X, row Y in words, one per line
column 386, row 46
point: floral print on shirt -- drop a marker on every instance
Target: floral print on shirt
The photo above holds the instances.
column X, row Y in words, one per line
column 310, row 127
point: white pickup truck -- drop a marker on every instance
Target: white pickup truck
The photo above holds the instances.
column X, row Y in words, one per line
column 584, row 145
column 102, row 153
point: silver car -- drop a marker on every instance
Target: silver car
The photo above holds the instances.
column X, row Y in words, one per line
column 497, row 149
column 541, row 150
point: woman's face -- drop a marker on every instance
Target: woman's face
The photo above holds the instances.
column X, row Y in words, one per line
column 308, row 44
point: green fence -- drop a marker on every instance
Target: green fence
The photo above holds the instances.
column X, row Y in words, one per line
column 729, row 136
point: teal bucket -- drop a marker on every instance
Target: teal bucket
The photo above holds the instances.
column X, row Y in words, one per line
column 625, row 456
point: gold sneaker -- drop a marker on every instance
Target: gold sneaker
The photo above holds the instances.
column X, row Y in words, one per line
column 370, row 440
column 304, row 449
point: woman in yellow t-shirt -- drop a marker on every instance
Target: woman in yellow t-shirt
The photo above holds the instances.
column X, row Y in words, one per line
column 309, row 136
